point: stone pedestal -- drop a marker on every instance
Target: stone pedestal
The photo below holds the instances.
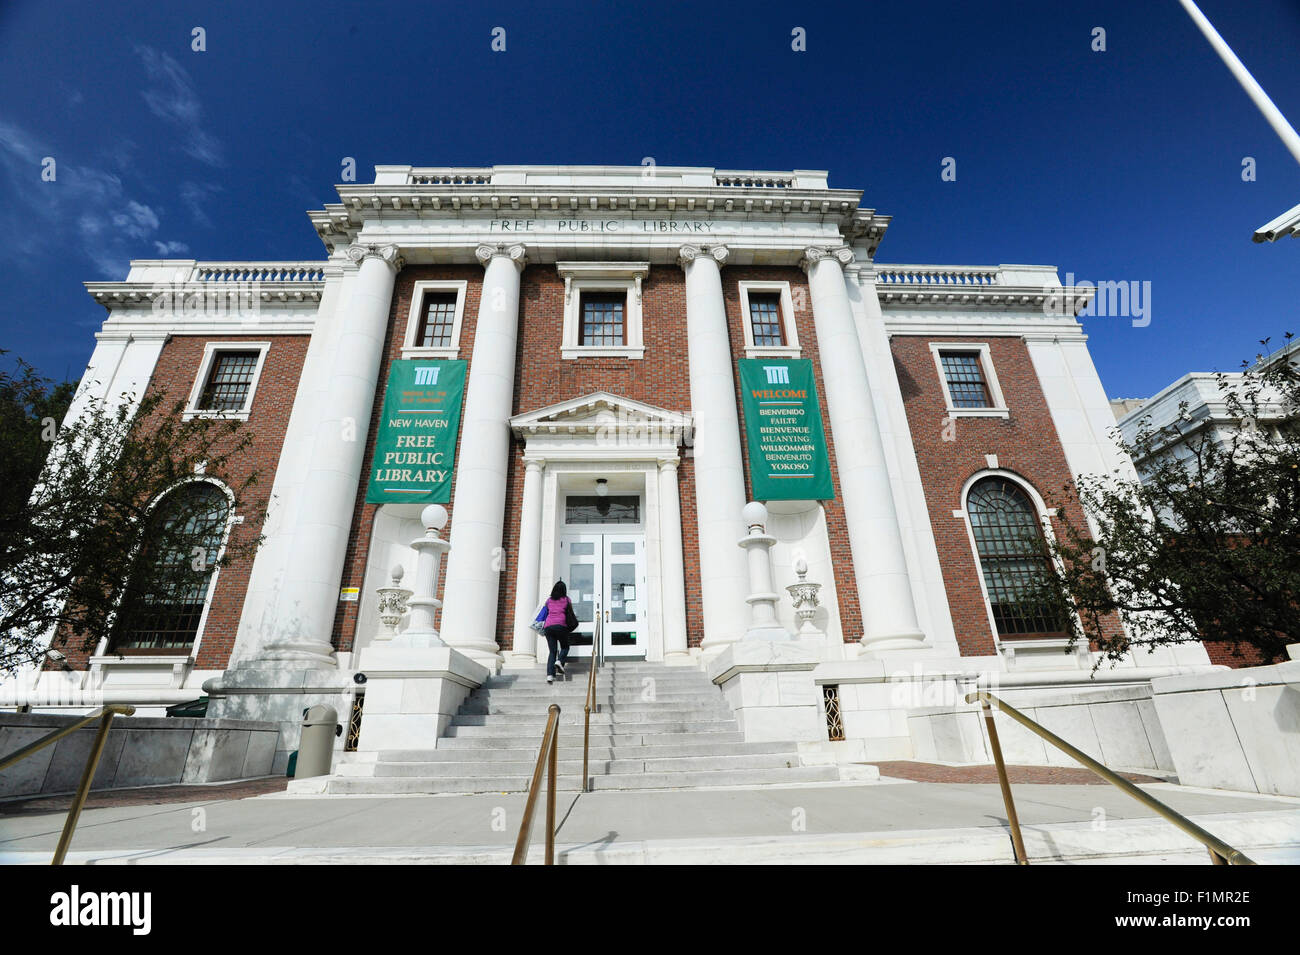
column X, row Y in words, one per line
column 412, row 694
column 256, row 691
column 769, row 685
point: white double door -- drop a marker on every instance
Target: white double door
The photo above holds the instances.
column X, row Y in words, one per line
column 605, row 575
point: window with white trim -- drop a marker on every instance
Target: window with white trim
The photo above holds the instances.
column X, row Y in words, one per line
column 434, row 321
column 227, row 380
column 767, row 317
column 602, row 309
column 164, row 603
column 969, row 381
column 1009, row 546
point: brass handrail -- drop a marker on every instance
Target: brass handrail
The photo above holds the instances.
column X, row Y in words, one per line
column 105, row 716
column 547, row 754
column 1220, row 852
column 590, row 704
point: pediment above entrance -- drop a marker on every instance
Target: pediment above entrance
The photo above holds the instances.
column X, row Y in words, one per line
column 604, row 424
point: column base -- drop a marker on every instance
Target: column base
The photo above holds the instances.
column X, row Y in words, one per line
column 913, row 640
column 316, row 655
column 487, row 654
column 779, row 634
column 261, row 690
column 518, row 661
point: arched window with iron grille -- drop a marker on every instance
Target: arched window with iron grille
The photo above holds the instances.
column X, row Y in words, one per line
column 163, row 604
column 1009, row 543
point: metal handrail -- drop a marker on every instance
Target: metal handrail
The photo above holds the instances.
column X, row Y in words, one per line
column 597, row 655
column 1220, row 852
column 105, row 716
column 547, row 755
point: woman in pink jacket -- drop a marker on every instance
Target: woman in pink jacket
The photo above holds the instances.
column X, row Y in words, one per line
column 556, row 630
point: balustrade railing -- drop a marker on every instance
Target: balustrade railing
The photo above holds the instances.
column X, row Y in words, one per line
column 930, row 275
column 259, row 272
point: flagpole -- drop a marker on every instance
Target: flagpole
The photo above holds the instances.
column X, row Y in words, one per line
column 1284, row 130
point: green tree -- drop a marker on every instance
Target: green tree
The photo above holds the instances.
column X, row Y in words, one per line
column 1206, row 544
column 83, row 548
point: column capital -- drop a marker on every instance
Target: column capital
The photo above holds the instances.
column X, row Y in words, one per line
column 814, row 254
column 689, row 253
column 669, row 463
column 515, row 252
column 388, row 254
column 534, row 463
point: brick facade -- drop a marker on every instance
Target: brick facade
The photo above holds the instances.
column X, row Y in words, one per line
column 949, row 452
column 179, row 363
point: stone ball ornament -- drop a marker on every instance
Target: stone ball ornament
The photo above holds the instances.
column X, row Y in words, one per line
column 754, row 514
column 434, row 517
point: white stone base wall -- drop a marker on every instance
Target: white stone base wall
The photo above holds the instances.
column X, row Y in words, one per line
column 1235, row 729
column 140, row 751
column 1117, row 726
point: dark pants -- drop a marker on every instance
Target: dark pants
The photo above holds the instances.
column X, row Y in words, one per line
column 557, row 637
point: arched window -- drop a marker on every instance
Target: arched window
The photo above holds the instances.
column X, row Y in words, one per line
column 1009, row 542
column 163, row 603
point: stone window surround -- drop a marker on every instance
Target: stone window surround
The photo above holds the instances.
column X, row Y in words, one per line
column 999, row 408
column 582, row 277
column 416, row 314
column 104, row 656
column 1007, row 646
column 210, row 351
column 791, row 348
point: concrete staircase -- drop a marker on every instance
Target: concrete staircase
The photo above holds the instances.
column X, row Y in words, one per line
column 657, row 728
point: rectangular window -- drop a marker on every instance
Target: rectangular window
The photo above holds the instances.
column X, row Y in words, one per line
column 602, row 319
column 965, row 379
column 765, row 318
column 437, row 320
column 229, row 381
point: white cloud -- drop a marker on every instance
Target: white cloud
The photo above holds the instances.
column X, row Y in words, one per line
column 196, row 195
column 171, row 248
column 171, row 97
column 83, row 207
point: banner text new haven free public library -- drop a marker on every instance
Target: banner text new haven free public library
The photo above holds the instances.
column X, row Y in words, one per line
column 415, row 447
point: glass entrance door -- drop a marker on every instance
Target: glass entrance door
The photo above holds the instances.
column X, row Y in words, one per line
column 605, row 574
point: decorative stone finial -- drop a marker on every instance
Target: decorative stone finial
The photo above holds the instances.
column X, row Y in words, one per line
column 434, row 517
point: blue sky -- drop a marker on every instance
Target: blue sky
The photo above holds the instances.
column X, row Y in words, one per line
column 1123, row 165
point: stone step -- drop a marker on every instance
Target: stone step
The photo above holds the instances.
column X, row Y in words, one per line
column 385, row 785
column 559, row 694
column 669, row 764
column 606, row 712
column 459, row 750
column 475, row 736
column 533, row 729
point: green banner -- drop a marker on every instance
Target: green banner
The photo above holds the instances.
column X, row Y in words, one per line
column 415, row 448
column 783, row 424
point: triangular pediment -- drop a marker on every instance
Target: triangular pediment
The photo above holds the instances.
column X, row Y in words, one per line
column 598, row 410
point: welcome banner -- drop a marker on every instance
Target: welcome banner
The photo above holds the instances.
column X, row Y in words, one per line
column 415, row 448
column 783, row 425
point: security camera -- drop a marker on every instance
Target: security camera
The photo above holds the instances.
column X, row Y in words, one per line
column 358, row 678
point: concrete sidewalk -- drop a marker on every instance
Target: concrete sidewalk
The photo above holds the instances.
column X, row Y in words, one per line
column 906, row 822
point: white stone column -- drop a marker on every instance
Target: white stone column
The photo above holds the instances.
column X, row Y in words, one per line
column 479, row 498
column 879, row 562
column 300, row 624
column 528, row 570
column 672, row 565
column 719, row 473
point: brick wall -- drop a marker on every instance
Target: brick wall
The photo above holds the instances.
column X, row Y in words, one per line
column 363, row 514
column 836, row 528
column 1025, row 443
column 178, row 365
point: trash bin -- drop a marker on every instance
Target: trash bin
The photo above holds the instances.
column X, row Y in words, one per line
column 316, row 748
